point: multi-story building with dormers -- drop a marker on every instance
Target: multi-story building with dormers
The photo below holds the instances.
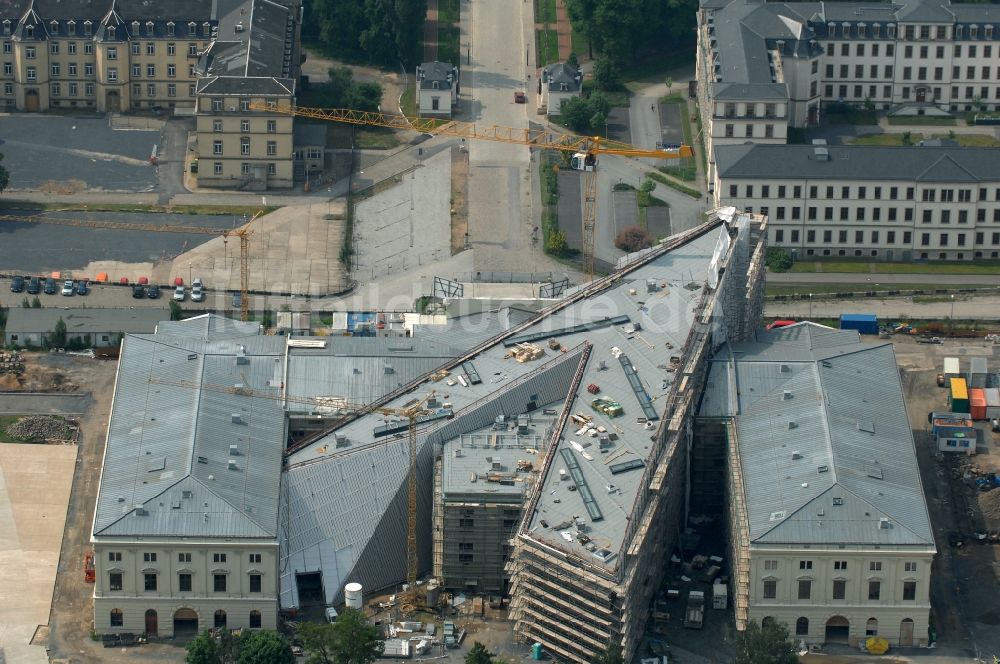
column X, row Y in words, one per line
column 764, row 67
column 178, row 56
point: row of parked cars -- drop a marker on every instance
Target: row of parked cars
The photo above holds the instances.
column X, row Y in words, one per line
column 140, row 291
column 48, row 285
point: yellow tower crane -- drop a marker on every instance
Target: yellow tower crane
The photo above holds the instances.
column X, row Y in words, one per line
column 243, row 233
column 585, row 149
column 412, row 411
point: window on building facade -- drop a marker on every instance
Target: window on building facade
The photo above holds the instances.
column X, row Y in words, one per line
column 255, row 583
column 117, row 618
column 149, row 582
column 770, row 589
column 114, row 581
column 839, row 589
column 805, row 589
column 219, row 583
column 184, row 582
column 909, row 591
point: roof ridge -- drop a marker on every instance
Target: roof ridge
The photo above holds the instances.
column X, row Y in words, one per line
column 235, row 508
column 125, row 514
column 947, row 157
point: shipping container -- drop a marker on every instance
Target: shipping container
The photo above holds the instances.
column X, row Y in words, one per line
column 959, row 396
column 992, row 395
column 977, row 403
column 952, row 368
column 977, row 372
column 863, row 323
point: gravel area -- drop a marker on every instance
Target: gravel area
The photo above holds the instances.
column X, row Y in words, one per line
column 38, row 428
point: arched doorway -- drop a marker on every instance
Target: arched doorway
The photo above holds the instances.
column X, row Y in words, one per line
column 151, row 622
column 906, row 633
column 255, row 619
column 31, row 102
column 185, row 623
column 838, row 630
column 802, row 627
column 220, row 619
column 112, row 101
column 871, row 627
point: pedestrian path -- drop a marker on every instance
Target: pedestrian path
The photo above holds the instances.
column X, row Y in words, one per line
column 431, row 32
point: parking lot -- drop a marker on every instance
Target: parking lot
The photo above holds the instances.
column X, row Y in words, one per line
column 68, row 153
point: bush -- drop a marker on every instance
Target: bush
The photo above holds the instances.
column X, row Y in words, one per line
column 777, row 259
column 634, row 238
column 607, row 75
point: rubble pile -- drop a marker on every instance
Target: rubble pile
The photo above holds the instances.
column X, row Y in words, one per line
column 40, row 427
column 989, row 503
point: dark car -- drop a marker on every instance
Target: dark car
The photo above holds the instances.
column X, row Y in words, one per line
column 50, row 286
column 138, row 291
column 153, row 292
column 955, row 539
column 82, row 288
column 17, row 284
column 34, row 285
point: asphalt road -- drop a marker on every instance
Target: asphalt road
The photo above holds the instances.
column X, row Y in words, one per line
column 43, row 403
column 38, row 248
column 875, row 279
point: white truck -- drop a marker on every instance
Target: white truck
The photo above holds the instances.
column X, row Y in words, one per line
column 694, row 614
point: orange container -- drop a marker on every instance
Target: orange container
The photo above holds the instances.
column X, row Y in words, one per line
column 977, row 403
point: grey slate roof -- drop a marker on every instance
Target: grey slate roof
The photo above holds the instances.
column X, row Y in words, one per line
column 561, row 74
column 436, row 72
column 84, row 321
column 925, row 11
column 168, row 448
column 240, row 85
column 859, row 162
column 174, row 10
column 848, row 459
column 349, row 500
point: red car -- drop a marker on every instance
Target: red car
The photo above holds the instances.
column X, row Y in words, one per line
column 519, row 97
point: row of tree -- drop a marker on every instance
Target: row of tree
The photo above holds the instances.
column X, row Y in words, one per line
column 380, row 32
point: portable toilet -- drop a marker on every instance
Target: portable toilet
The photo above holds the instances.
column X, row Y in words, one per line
column 959, row 396
column 536, row 651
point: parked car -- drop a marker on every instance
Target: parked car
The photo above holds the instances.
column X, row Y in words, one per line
column 138, row 291
column 69, row 288
column 153, row 292
column 17, row 284
column 197, row 290
column 180, row 293
column 34, row 285
column 82, row 287
column 519, row 97
column 50, row 286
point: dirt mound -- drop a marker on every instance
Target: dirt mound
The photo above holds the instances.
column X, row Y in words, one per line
column 37, row 428
column 989, row 504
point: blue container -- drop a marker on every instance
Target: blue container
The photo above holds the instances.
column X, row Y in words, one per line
column 863, row 323
column 536, row 651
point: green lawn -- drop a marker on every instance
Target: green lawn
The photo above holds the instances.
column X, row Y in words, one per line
column 448, row 12
column 936, row 267
column 448, row 49
column 840, row 114
column 965, row 140
column 408, row 101
column 684, row 168
column 546, row 47
column 6, row 421
column 662, row 179
column 545, row 11
column 921, row 120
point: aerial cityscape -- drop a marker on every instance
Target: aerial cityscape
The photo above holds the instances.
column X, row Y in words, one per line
column 589, row 331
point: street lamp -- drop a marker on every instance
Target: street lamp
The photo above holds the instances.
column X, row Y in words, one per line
column 810, row 306
column 951, row 318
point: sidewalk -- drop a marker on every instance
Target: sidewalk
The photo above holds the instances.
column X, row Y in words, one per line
column 431, row 32
column 875, row 278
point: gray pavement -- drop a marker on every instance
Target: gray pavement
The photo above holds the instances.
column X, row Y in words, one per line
column 625, row 210
column 43, row 403
column 964, row 307
column 876, row 279
column 571, row 208
column 61, row 153
column 658, row 222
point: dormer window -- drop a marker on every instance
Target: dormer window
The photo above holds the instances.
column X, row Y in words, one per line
column 989, row 31
column 831, row 29
column 111, row 32
column 958, row 32
column 88, row 28
column 54, row 26
column 71, row 27
column 149, row 28
column 891, row 31
column 206, row 29
column 192, row 29
column 875, row 30
column 135, row 28
column 861, row 29
column 170, row 28
column 436, row 85
column 29, row 31
column 973, row 31
column 6, row 26
column 563, row 87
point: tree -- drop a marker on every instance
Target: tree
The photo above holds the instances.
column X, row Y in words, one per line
column 598, row 121
column 350, row 640
column 264, row 647
column 634, row 238
column 767, row 644
column 175, row 310
column 36, row 303
column 572, row 60
column 57, row 337
column 777, row 259
column 610, row 655
column 478, row 654
column 4, row 175
column 907, row 139
column 203, row 650
column 607, row 74
column 25, row 304
column 670, row 83
column 576, row 114
column 555, row 242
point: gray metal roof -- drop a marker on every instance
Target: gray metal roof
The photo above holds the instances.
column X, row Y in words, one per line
column 859, row 162
column 442, row 73
column 175, row 10
column 209, row 326
column 348, row 499
column 168, row 451
column 84, row 321
column 561, row 74
column 925, row 11
column 825, row 441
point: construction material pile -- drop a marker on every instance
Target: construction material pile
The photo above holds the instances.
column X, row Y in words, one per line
column 524, row 352
column 37, row 428
column 989, row 504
